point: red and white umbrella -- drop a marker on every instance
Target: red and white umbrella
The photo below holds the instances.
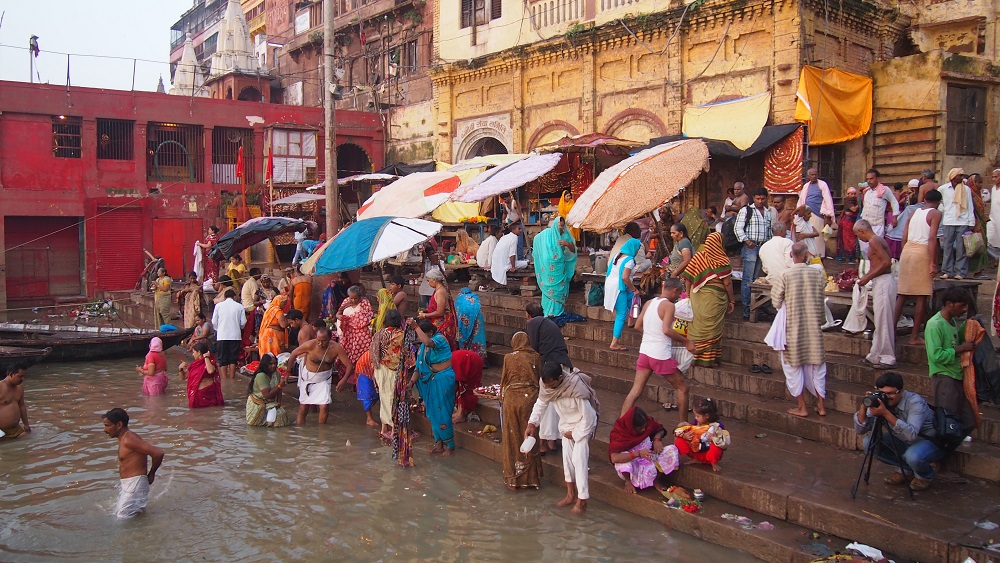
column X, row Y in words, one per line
column 411, row 196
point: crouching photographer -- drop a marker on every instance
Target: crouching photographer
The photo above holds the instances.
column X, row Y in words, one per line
column 905, row 427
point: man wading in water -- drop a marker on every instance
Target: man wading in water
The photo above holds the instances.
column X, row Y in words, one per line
column 13, row 410
column 132, row 454
column 316, row 373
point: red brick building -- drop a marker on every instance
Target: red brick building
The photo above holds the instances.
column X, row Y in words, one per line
column 90, row 178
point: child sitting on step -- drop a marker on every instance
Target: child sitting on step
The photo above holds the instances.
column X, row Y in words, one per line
column 705, row 439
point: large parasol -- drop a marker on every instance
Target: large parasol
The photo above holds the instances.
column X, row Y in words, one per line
column 252, row 232
column 506, row 178
column 369, row 241
column 638, row 185
column 415, row 195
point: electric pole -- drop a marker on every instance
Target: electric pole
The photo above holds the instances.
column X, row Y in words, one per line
column 332, row 190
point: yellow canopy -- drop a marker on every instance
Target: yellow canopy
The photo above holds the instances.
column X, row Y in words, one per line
column 836, row 105
column 452, row 211
column 737, row 121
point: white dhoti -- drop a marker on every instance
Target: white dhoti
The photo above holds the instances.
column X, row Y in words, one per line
column 385, row 379
column 818, row 222
column 548, row 428
column 575, row 455
column 133, row 495
column 314, row 387
column 812, row 377
column 883, row 291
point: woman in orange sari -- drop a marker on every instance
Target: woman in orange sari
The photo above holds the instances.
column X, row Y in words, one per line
column 273, row 337
column 301, row 286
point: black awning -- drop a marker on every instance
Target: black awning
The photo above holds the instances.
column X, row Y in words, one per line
column 769, row 135
column 401, row 169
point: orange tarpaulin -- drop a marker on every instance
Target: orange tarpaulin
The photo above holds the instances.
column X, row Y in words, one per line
column 836, row 105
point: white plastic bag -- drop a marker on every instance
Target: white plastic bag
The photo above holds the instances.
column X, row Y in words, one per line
column 683, row 310
column 683, row 358
column 857, row 320
column 272, row 415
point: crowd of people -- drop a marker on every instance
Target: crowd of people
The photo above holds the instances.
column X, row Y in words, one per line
column 386, row 346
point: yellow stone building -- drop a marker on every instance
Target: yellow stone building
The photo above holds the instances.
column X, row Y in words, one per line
column 540, row 70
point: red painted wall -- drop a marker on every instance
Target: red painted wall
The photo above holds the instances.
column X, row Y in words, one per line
column 35, row 183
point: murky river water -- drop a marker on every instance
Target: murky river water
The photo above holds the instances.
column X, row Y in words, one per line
column 228, row 492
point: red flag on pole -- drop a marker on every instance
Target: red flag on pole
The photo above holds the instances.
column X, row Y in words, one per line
column 239, row 163
column 243, row 186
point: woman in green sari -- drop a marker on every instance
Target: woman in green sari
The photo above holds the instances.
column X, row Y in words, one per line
column 710, row 286
column 264, row 395
column 554, row 251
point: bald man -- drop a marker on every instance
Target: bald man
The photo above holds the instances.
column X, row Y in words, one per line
column 883, row 291
column 803, row 360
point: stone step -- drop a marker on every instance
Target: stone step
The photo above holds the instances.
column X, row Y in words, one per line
column 783, row 543
column 836, row 429
column 806, row 483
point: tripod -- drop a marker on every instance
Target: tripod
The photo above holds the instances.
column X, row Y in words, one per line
column 873, row 443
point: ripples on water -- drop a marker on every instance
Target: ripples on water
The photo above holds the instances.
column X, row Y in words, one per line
column 228, row 492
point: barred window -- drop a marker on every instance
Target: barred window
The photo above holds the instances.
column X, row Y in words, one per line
column 226, row 143
column 966, row 120
column 114, row 139
column 66, row 142
column 175, row 152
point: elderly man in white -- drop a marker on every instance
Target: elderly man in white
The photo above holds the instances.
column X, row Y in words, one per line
column 958, row 214
column 816, row 196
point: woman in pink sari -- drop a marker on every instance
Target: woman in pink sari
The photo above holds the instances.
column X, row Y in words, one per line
column 204, row 386
column 154, row 369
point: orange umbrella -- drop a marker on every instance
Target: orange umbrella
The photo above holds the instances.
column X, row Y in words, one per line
column 638, row 185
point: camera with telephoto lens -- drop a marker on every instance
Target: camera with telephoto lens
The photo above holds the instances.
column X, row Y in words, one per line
column 873, row 400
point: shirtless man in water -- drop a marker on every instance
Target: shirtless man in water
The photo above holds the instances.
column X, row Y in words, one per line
column 132, row 454
column 316, row 375
column 13, row 410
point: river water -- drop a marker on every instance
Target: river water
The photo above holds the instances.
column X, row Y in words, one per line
column 228, row 492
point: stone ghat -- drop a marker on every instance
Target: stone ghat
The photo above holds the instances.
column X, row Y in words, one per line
column 796, row 473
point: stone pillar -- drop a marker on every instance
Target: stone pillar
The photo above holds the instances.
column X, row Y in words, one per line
column 588, row 98
column 443, row 92
column 3, row 271
column 519, row 140
column 787, row 39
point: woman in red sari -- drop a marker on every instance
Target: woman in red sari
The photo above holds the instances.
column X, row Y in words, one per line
column 354, row 320
column 210, row 266
column 441, row 309
column 204, row 386
column 468, row 367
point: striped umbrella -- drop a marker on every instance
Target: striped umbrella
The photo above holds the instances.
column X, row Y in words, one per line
column 368, row 241
column 414, row 195
column 638, row 185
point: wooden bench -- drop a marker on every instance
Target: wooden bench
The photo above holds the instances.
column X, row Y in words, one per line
column 523, row 280
column 760, row 295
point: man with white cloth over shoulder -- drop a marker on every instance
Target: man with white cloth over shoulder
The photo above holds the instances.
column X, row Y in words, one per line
column 570, row 393
column 505, row 255
column 796, row 332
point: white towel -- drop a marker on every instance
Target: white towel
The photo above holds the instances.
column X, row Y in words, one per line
column 776, row 336
column 857, row 320
column 199, row 268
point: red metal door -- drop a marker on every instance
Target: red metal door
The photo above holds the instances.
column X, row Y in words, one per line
column 43, row 257
column 173, row 240
column 119, row 247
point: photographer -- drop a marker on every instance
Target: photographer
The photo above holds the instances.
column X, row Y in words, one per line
column 909, row 422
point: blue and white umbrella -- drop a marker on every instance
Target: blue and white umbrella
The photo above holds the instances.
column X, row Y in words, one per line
column 368, row 241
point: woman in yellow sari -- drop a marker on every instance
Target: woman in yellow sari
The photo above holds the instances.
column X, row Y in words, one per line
column 273, row 337
column 386, row 303
column 709, row 283
column 237, row 272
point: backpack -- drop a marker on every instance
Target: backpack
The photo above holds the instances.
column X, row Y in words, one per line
column 729, row 240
